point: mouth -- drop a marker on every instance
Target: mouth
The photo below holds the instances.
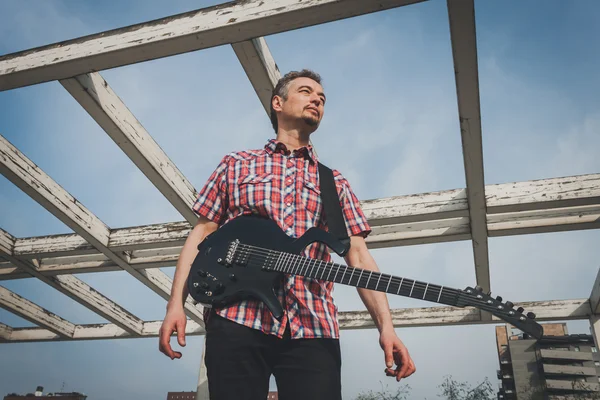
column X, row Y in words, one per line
column 313, row 110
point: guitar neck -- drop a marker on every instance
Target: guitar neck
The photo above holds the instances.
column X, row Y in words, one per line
column 361, row 278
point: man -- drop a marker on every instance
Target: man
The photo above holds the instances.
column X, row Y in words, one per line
column 244, row 343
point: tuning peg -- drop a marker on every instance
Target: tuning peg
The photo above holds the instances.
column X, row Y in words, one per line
column 478, row 288
column 530, row 315
column 520, row 309
column 499, row 298
column 509, row 304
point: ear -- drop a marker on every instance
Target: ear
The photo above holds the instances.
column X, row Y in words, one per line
column 277, row 103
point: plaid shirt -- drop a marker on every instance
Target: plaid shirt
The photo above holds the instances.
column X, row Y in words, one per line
column 283, row 186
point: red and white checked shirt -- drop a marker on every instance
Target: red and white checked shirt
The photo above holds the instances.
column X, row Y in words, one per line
column 283, row 186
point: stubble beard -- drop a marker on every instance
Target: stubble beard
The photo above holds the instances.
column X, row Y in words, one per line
column 310, row 119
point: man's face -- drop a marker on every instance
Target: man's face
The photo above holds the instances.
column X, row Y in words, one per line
column 305, row 100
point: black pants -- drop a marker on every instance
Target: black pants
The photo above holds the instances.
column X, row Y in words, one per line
column 240, row 361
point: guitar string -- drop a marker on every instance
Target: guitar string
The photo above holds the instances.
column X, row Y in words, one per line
column 446, row 293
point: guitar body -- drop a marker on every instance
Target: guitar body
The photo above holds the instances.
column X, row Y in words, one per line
column 215, row 282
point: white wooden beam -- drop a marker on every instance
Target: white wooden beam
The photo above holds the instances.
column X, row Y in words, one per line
column 595, row 295
column 260, row 67
column 213, row 26
column 77, row 290
column 404, row 234
column 39, row 186
column 464, row 50
column 559, row 310
column 30, row 311
column 5, row 331
column 94, row 94
column 508, row 200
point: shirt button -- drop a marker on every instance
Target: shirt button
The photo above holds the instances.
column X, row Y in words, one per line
column 289, row 204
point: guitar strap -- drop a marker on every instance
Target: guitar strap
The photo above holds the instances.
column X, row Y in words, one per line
column 332, row 208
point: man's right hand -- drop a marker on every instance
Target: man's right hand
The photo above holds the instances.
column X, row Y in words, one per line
column 174, row 321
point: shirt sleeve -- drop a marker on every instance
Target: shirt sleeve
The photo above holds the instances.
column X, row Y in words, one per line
column 212, row 199
column 356, row 222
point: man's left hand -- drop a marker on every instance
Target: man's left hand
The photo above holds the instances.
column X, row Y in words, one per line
column 396, row 353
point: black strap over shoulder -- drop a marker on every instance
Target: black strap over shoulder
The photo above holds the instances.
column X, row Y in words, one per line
column 332, row 208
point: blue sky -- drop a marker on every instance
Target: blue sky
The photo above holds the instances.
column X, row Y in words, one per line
column 390, row 126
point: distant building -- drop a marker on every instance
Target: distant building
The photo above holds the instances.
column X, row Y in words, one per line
column 181, row 396
column 558, row 366
column 39, row 395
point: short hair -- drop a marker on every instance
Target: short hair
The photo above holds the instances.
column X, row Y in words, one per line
column 283, row 85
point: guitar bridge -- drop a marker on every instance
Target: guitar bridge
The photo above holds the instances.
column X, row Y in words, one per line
column 231, row 252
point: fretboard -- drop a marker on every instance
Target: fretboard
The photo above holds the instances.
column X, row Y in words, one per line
column 328, row 271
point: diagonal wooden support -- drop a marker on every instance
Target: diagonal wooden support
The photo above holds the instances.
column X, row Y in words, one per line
column 260, row 67
column 39, row 186
column 209, row 27
column 464, row 50
column 30, row 311
column 94, row 94
column 76, row 289
column 5, row 331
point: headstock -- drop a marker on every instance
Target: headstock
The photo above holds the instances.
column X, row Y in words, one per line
column 515, row 316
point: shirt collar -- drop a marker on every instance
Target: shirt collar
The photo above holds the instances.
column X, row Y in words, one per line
column 275, row 146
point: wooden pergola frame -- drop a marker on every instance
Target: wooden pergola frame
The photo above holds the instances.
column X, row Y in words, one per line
column 473, row 213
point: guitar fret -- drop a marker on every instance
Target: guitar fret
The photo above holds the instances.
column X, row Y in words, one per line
column 323, row 270
column 329, row 274
column 425, row 293
column 360, row 276
column 367, row 285
column 440, row 295
column 388, row 285
column 350, row 280
column 336, row 272
column 377, row 284
column 411, row 289
column 400, row 286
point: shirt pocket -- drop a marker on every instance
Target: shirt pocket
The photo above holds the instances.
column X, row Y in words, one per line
column 255, row 193
column 312, row 203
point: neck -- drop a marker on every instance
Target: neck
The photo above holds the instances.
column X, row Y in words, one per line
column 293, row 138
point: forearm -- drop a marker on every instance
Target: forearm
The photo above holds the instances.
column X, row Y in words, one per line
column 188, row 253
column 376, row 302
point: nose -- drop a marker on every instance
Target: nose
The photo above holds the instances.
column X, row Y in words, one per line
column 315, row 99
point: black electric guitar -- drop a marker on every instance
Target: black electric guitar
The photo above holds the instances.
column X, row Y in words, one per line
column 246, row 258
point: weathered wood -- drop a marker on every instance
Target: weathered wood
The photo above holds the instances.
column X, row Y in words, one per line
column 539, row 194
column 82, row 293
column 453, row 229
column 52, row 246
column 213, row 26
column 38, row 185
column 595, row 296
column 574, row 309
column 5, row 331
column 7, row 242
column 541, row 221
column 464, row 50
column 426, row 207
column 260, row 67
column 94, row 94
column 30, row 311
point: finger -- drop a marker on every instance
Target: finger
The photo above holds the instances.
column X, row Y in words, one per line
column 403, row 364
column 164, row 344
column 412, row 368
column 388, row 351
column 181, row 333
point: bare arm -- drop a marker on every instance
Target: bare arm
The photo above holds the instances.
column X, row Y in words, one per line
column 379, row 308
column 175, row 319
